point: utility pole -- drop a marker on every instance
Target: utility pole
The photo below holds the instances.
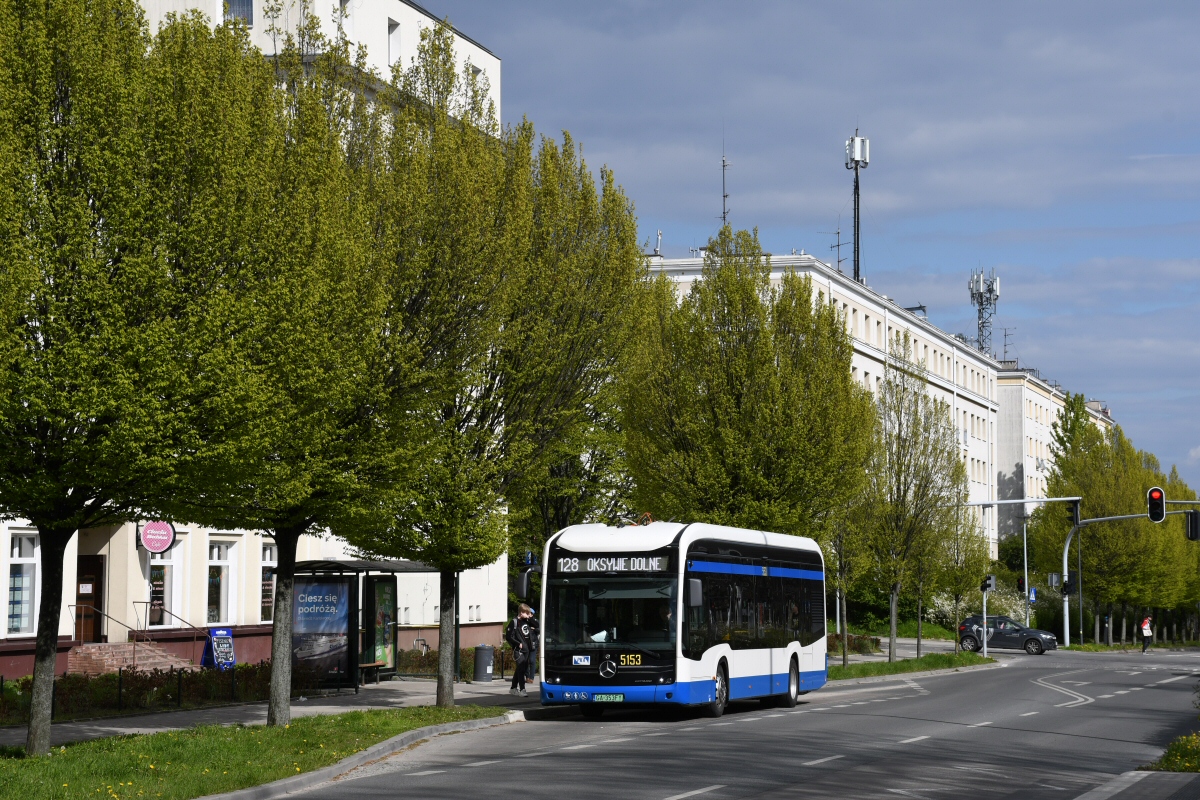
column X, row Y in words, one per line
column 858, row 156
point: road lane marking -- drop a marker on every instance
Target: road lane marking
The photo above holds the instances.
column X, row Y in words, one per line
column 914, row 739
column 1176, row 678
column 695, row 792
column 1105, row 696
column 693, row 728
column 1029, row 713
column 748, row 719
column 578, row 746
column 1078, row 699
column 426, row 772
column 821, row 761
column 979, row 724
column 626, row 739
column 859, row 703
column 664, row 733
column 480, row 763
column 775, row 715
column 1136, row 689
column 533, row 755
column 844, row 705
column 715, row 724
column 1121, row 691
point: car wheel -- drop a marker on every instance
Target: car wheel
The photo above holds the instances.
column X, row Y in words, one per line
column 591, row 710
column 793, row 691
column 720, row 693
column 1034, row 647
column 970, row 643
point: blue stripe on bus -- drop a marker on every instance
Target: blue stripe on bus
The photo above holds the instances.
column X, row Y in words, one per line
column 747, row 569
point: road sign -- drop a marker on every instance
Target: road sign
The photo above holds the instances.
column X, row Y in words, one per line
column 1033, row 594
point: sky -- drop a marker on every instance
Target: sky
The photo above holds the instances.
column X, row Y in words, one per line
column 1058, row 144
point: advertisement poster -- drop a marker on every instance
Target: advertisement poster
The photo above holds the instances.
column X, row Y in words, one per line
column 321, row 615
column 385, row 629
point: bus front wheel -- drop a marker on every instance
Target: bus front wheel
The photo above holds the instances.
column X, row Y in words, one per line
column 789, row 699
column 720, row 693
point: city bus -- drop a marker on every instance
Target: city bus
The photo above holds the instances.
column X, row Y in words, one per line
column 681, row 614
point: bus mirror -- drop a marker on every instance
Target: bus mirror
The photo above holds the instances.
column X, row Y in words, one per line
column 695, row 593
column 523, row 585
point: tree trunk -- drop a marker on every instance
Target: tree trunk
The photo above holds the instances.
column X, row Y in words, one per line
column 919, row 620
column 845, row 629
column 279, row 706
column 1096, row 624
column 957, row 621
column 893, row 605
column 1108, row 639
column 446, row 676
column 53, row 545
column 1124, row 614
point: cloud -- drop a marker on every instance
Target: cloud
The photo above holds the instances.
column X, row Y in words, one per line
column 1194, row 455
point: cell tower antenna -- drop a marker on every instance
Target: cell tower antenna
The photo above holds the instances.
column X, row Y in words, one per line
column 858, row 156
column 724, row 194
column 985, row 294
column 1007, row 333
column 837, row 243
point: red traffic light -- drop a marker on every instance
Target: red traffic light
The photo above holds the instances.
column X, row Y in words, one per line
column 1156, row 504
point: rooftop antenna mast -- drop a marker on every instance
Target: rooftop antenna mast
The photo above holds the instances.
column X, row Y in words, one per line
column 837, row 245
column 1006, row 335
column 985, row 293
column 724, row 194
column 858, row 155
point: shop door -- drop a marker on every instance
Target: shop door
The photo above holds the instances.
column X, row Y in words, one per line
column 89, row 599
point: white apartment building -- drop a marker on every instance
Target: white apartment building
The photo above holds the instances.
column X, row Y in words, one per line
column 389, row 30
column 962, row 376
column 1029, row 406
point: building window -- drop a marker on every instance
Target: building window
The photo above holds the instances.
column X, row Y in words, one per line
column 162, row 587
column 22, row 571
column 393, row 41
column 219, row 581
column 240, row 9
column 269, row 563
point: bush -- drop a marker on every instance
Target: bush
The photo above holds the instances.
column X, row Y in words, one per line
column 864, row 645
column 135, row 690
column 1182, row 755
column 414, row 662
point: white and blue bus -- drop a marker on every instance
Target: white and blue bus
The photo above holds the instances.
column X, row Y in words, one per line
column 685, row 614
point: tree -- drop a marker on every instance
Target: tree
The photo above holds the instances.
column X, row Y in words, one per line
column 843, row 546
column 117, row 259
column 915, row 477
column 964, row 558
column 739, row 407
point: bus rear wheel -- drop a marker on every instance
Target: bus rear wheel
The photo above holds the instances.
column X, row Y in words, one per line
column 720, row 693
column 789, row 699
column 591, row 710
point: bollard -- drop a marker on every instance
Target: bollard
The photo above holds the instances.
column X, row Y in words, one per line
column 120, row 679
column 179, row 694
column 233, row 684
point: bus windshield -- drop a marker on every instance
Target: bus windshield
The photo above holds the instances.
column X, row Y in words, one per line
column 593, row 612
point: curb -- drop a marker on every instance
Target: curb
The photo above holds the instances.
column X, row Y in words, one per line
column 1114, row 786
column 903, row 675
column 307, row 780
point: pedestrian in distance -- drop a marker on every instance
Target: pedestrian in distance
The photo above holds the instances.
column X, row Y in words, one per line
column 520, row 635
column 1147, row 633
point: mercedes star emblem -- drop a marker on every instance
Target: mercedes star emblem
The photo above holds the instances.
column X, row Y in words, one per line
column 608, row 669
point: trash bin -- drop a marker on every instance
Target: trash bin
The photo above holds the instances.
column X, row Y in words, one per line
column 484, row 662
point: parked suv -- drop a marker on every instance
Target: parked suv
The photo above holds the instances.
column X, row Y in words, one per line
column 1003, row 632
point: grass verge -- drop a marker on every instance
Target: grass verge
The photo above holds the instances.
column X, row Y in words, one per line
column 931, row 661
column 179, row 765
column 1182, row 755
column 905, row 628
column 1128, row 648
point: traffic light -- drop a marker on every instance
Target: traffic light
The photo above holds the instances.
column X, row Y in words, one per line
column 1193, row 525
column 1021, row 584
column 1071, row 584
column 1156, row 504
column 989, row 584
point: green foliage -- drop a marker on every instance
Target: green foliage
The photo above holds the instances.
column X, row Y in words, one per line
column 928, row 662
column 1182, row 755
column 739, row 407
column 179, row 765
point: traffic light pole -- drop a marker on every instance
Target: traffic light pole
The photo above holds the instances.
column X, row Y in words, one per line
column 1080, row 523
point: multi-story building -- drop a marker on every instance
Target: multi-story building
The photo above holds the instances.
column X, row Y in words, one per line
column 225, row 578
column 1029, row 406
column 388, row 30
column 957, row 373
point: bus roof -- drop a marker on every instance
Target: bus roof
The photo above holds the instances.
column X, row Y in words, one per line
column 597, row 538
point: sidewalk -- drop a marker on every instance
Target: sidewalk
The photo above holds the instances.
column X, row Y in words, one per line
column 388, row 694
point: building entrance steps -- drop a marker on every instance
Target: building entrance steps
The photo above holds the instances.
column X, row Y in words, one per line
column 101, row 658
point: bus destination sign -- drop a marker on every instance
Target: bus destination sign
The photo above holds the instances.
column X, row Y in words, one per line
column 613, row 563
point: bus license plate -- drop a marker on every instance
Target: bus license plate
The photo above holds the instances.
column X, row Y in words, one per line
column 608, row 698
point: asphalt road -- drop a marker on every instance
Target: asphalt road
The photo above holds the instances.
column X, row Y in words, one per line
column 1052, row 726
